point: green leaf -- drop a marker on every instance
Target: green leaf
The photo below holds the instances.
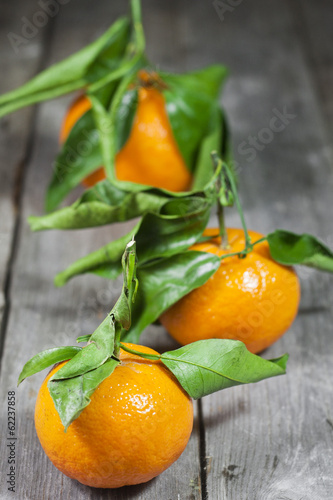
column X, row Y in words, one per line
column 125, row 113
column 166, row 235
column 72, row 395
column 156, row 235
column 77, row 71
column 83, row 338
column 81, row 154
column 103, row 204
column 211, row 365
column 72, row 385
column 164, row 282
column 106, row 117
column 207, row 81
column 104, row 262
column 94, row 354
column 101, row 344
column 190, row 99
column 117, row 201
column 47, row 358
column 79, row 157
column 291, row 249
column 212, row 141
column 122, row 308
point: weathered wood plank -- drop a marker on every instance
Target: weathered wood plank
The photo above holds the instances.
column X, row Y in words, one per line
column 313, row 23
column 42, row 316
column 274, row 440
column 264, row 441
column 19, row 61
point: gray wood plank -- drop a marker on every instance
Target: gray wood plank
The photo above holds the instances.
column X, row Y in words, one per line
column 266, row 441
column 314, row 23
column 18, row 63
column 274, row 440
column 42, row 316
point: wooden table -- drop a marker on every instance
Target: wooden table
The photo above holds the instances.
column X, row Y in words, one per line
column 269, row 441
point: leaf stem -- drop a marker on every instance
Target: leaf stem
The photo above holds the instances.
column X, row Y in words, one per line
column 223, row 231
column 125, row 73
column 141, row 354
column 135, row 50
column 129, row 290
column 229, row 175
column 220, row 209
column 238, row 205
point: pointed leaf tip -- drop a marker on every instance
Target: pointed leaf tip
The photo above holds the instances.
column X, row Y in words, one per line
column 47, row 358
column 208, row 366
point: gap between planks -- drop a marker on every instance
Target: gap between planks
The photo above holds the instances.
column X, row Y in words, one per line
column 18, row 188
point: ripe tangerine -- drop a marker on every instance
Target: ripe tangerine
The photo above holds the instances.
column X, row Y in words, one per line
column 254, row 299
column 137, row 424
column 150, row 155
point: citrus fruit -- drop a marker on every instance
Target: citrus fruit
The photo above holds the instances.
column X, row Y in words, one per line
column 253, row 299
column 77, row 109
column 150, row 155
column 137, row 424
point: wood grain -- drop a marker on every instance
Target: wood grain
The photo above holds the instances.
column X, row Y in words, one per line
column 267, row 441
column 273, row 440
column 313, row 22
column 42, row 316
column 16, row 133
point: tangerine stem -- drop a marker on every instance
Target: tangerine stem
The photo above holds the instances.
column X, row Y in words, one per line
column 220, row 209
column 117, row 338
column 223, row 231
column 248, row 244
column 135, row 50
column 245, row 251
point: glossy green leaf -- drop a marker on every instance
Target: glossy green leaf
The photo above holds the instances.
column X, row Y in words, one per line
column 81, row 154
column 105, row 262
column 212, row 141
column 172, row 231
column 79, row 157
column 156, row 235
column 47, row 358
column 190, row 99
column 75, row 72
column 93, row 355
column 164, row 282
column 111, row 132
column 72, row 395
column 106, row 121
column 211, row 365
column 304, row 249
column 72, row 385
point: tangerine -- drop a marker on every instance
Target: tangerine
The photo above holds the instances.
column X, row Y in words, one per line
column 137, row 424
column 150, row 155
column 77, row 109
column 253, row 299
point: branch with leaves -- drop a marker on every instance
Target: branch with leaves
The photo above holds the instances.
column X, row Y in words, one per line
column 107, row 72
column 201, row 368
column 168, row 270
